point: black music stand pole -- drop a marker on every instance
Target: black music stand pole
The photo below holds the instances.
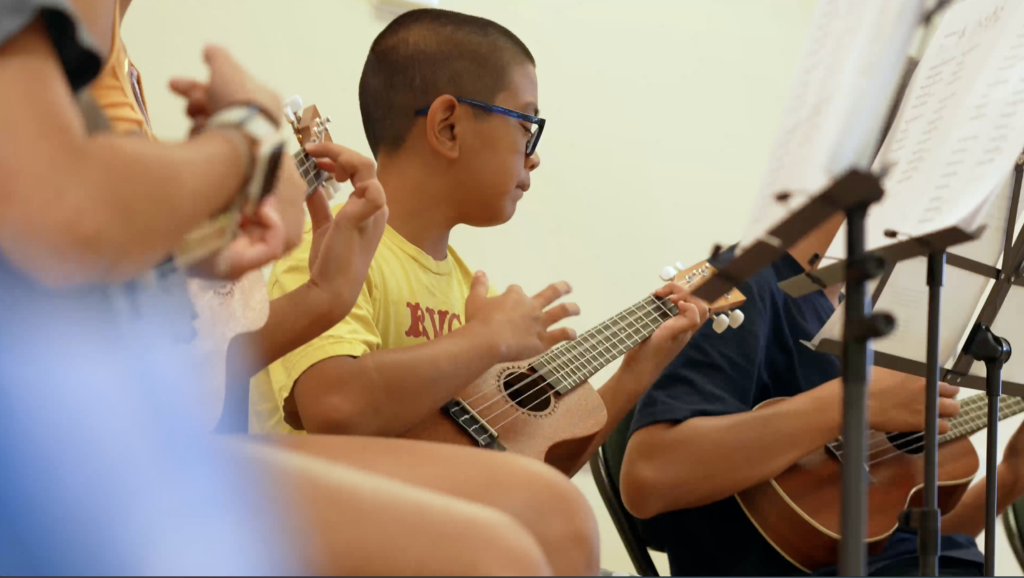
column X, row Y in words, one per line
column 860, row 328
column 929, row 520
column 994, row 351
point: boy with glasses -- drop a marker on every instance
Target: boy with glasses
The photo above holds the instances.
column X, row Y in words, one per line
column 449, row 107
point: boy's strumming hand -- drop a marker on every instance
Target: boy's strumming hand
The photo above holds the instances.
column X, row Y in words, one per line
column 896, row 402
column 516, row 323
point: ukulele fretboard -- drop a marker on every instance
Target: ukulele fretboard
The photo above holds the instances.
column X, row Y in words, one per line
column 574, row 362
column 310, row 172
column 973, row 416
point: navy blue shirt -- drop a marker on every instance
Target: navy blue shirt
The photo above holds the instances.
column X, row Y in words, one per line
column 732, row 372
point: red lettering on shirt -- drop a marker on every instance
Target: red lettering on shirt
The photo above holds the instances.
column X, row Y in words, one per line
column 438, row 319
column 451, row 322
column 438, row 327
column 417, row 322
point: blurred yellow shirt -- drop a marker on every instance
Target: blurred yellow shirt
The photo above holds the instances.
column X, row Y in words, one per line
column 408, row 298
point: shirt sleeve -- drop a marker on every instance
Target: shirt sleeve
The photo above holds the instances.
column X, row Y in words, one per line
column 77, row 53
column 354, row 336
column 716, row 374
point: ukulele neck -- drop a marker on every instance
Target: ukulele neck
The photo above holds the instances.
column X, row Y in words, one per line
column 574, row 362
column 973, row 416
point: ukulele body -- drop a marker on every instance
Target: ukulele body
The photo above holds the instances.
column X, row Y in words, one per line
column 557, row 428
column 798, row 511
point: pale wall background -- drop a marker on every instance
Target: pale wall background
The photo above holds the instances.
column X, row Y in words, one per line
column 660, row 118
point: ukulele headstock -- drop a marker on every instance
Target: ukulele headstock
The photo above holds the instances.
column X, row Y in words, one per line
column 310, row 127
column 695, row 276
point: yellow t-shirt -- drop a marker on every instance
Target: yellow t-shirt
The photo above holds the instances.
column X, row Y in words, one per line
column 407, row 298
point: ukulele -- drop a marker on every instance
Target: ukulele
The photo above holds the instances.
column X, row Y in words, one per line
column 545, row 408
column 310, row 128
column 798, row 511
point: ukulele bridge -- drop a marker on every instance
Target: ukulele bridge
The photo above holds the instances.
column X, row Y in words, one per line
column 483, row 434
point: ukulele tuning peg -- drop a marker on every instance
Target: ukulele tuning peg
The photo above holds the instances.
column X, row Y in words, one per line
column 293, row 107
column 736, row 318
column 331, row 188
column 680, row 266
column 721, row 323
column 669, row 273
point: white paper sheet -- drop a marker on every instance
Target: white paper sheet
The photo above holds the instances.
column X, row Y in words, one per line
column 840, row 97
column 906, row 296
column 952, row 148
column 960, row 126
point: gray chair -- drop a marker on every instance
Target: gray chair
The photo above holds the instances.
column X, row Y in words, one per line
column 1013, row 521
column 605, row 466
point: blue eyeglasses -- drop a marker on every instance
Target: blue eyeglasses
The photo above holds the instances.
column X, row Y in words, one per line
column 537, row 124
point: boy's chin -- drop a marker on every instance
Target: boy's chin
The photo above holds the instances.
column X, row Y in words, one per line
column 493, row 218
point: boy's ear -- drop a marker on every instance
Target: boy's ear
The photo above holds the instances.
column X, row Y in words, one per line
column 441, row 130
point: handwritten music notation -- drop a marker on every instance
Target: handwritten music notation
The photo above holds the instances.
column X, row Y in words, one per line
column 960, row 126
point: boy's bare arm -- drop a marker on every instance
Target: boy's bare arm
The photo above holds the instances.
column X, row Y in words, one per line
column 111, row 206
column 386, row 392
column 705, row 459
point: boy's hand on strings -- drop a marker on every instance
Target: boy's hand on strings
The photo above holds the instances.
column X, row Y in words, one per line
column 362, row 209
column 653, row 354
column 344, row 244
column 517, row 324
column 896, row 402
column 229, row 84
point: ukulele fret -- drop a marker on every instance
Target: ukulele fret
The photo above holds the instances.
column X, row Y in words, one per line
column 311, row 173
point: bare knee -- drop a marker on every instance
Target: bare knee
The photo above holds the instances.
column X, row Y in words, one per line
column 502, row 546
column 561, row 518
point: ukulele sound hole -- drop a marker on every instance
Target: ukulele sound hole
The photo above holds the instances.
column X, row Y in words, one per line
column 528, row 390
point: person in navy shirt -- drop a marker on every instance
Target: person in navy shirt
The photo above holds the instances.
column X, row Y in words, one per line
column 694, row 441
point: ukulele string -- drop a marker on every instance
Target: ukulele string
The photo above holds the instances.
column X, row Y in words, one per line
column 657, row 301
column 660, row 302
column 559, row 373
column 880, row 437
column 975, row 420
column 970, row 420
column 968, row 405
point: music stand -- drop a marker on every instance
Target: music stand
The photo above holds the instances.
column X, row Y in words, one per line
column 981, row 344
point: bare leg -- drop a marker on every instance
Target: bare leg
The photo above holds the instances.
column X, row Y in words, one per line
column 538, row 496
column 358, row 523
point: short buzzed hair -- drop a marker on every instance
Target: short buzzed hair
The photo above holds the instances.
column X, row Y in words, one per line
column 427, row 53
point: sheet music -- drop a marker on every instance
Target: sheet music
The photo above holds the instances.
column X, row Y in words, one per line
column 960, row 126
column 838, row 102
column 906, row 296
column 987, row 248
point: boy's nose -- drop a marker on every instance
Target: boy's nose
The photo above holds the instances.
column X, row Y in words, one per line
column 533, row 162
